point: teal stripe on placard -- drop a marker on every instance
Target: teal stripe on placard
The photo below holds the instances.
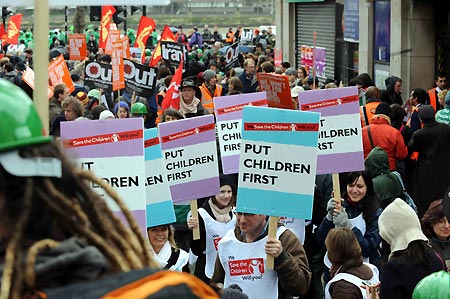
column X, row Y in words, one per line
column 274, row 203
column 272, row 115
column 160, row 213
column 153, row 152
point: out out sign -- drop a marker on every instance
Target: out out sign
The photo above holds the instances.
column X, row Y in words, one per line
column 231, row 54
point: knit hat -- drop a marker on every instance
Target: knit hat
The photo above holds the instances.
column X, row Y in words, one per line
column 426, row 113
column 399, row 225
column 106, row 114
column 233, row 292
column 384, row 108
column 295, row 91
column 123, row 105
column 95, row 93
column 447, row 98
column 208, row 75
column 290, row 71
column 83, row 97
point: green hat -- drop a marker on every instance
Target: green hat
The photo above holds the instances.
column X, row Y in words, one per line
column 138, row 108
column 434, row 286
column 95, row 93
column 20, row 123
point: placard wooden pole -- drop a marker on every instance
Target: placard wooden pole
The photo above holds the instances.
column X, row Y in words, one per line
column 194, row 213
column 40, row 58
column 272, row 234
column 336, row 190
column 133, row 98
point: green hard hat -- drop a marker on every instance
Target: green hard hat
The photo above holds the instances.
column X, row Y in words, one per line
column 20, row 123
column 434, row 286
column 138, row 108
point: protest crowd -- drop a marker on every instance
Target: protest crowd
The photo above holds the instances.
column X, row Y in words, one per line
column 382, row 232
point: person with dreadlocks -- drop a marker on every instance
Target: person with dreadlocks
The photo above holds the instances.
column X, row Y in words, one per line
column 58, row 238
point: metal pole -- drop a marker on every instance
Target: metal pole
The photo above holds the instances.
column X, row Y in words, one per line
column 144, row 11
column 125, row 22
column 65, row 23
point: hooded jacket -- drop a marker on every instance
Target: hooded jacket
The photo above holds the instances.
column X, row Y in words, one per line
column 385, row 183
column 386, row 137
column 388, row 95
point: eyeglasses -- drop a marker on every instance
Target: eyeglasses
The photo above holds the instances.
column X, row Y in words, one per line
column 239, row 214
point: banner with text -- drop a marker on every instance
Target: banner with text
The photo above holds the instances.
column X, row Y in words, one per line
column 340, row 137
column 190, row 157
column 159, row 200
column 228, row 111
column 277, row 88
column 58, row 73
column 139, row 78
column 173, row 53
column 277, row 165
column 98, row 75
column 114, row 151
column 77, row 46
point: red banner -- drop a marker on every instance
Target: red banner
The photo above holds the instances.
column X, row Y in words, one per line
column 329, row 102
column 107, row 14
column 241, row 106
column 281, row 127
column 146, row 27
column 14, row 29
column 151, row 142
column 187, row 133
column 105, row 138
column 172, row 97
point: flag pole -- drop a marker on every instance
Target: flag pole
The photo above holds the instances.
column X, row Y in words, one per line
column 41, row 60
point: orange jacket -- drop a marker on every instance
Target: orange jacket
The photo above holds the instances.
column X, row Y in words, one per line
column 370, row 112
column 159, row 96
column 229, row 37
column 207, row 98
column 387, row 137
column 433, row 98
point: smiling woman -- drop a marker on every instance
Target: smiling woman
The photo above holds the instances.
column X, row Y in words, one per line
column 165, row 250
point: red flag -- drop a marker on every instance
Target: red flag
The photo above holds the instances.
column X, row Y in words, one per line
column 146, row 27
column 14, row 29
column 107, row 14
column 172, row 97
column 166, row 35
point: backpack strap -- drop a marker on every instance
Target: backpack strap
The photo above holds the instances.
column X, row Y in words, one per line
column 173, row 259
column 366, row 118
column 370, row 137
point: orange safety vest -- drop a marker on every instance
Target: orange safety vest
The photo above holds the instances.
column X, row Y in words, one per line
column 229, row 37
column 160, row 110
column 207, row 98
column 370, row 112
column 413, row 109
column 433, row 98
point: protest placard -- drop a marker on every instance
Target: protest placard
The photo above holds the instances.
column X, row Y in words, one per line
column 28, row 78
column 118, row 76
column 77, row 46
column 114, row 151
column 277, row 165
column 98, row 75
column 340, row 137
column 113, row 36
column 190, row 157
column 228, row 111
column 174, row 53
column 59, row 73
column 159, row 200
column 139, row 78
column 277, row 88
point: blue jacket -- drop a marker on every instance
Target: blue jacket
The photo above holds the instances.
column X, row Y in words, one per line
column 369, row 242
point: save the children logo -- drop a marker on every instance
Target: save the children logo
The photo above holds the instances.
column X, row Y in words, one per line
column 100, row 139
column 249, row 269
